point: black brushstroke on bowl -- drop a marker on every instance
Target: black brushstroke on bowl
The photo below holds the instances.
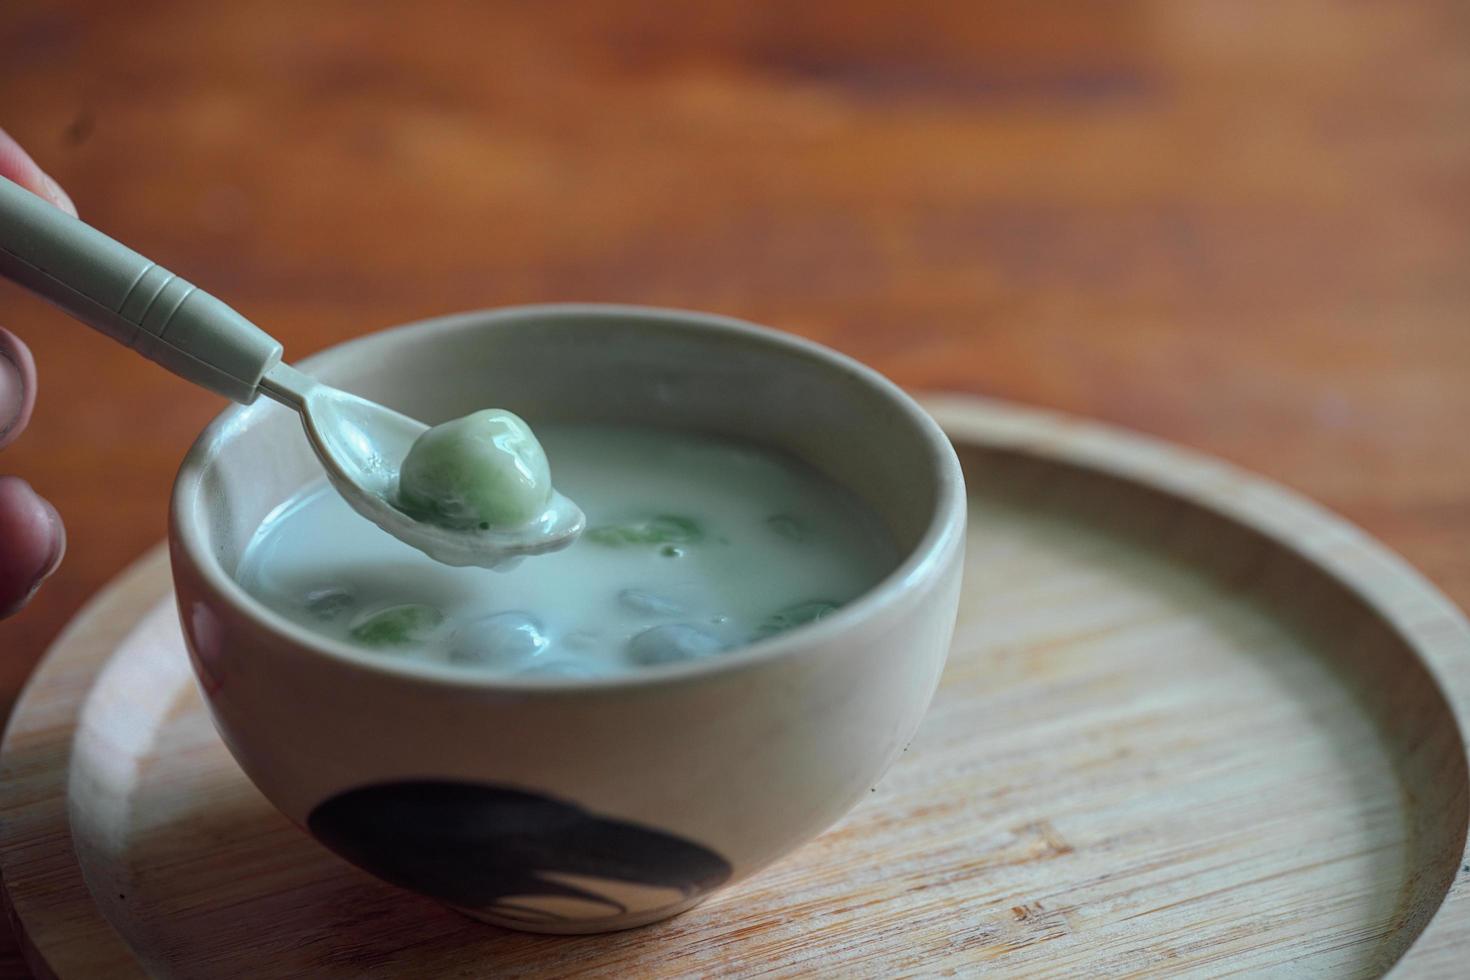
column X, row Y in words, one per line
column 481, row 847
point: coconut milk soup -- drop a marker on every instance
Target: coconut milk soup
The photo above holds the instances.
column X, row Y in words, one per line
column 694, row 546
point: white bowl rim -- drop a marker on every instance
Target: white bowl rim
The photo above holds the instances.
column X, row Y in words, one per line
column 922, row 562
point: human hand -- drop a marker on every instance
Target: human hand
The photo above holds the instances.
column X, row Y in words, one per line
column 32, row 539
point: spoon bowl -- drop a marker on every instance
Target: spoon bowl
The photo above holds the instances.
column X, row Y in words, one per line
column 362, row 444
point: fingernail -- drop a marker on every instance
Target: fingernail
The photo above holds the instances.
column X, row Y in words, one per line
column 58, row 552
column 17, row 396
column 56, row 195
column 32, row 543
column 12, row 398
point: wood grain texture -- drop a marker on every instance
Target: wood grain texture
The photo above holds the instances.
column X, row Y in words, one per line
column 1239, row 226
column 1191, row 725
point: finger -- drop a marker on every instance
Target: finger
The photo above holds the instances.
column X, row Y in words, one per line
column 17, row 386
column 17, row 165
column 32, row 541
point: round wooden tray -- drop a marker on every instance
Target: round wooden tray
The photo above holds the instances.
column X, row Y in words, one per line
column 1190, row 723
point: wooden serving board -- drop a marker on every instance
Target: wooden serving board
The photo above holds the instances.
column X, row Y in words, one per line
column 1191, row 724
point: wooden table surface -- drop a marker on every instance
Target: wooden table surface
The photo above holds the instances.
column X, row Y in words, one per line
column 1242, row 227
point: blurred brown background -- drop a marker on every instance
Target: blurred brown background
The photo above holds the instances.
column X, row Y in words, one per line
column 1241, row 226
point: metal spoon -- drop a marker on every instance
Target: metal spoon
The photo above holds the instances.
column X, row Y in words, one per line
column 172, row 322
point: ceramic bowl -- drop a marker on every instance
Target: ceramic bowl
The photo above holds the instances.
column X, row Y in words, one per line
column 559, row 805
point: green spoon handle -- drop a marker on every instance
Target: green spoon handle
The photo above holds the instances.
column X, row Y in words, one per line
column 132, row 299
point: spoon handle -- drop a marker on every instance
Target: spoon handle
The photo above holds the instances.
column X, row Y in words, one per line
column 132, row 299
